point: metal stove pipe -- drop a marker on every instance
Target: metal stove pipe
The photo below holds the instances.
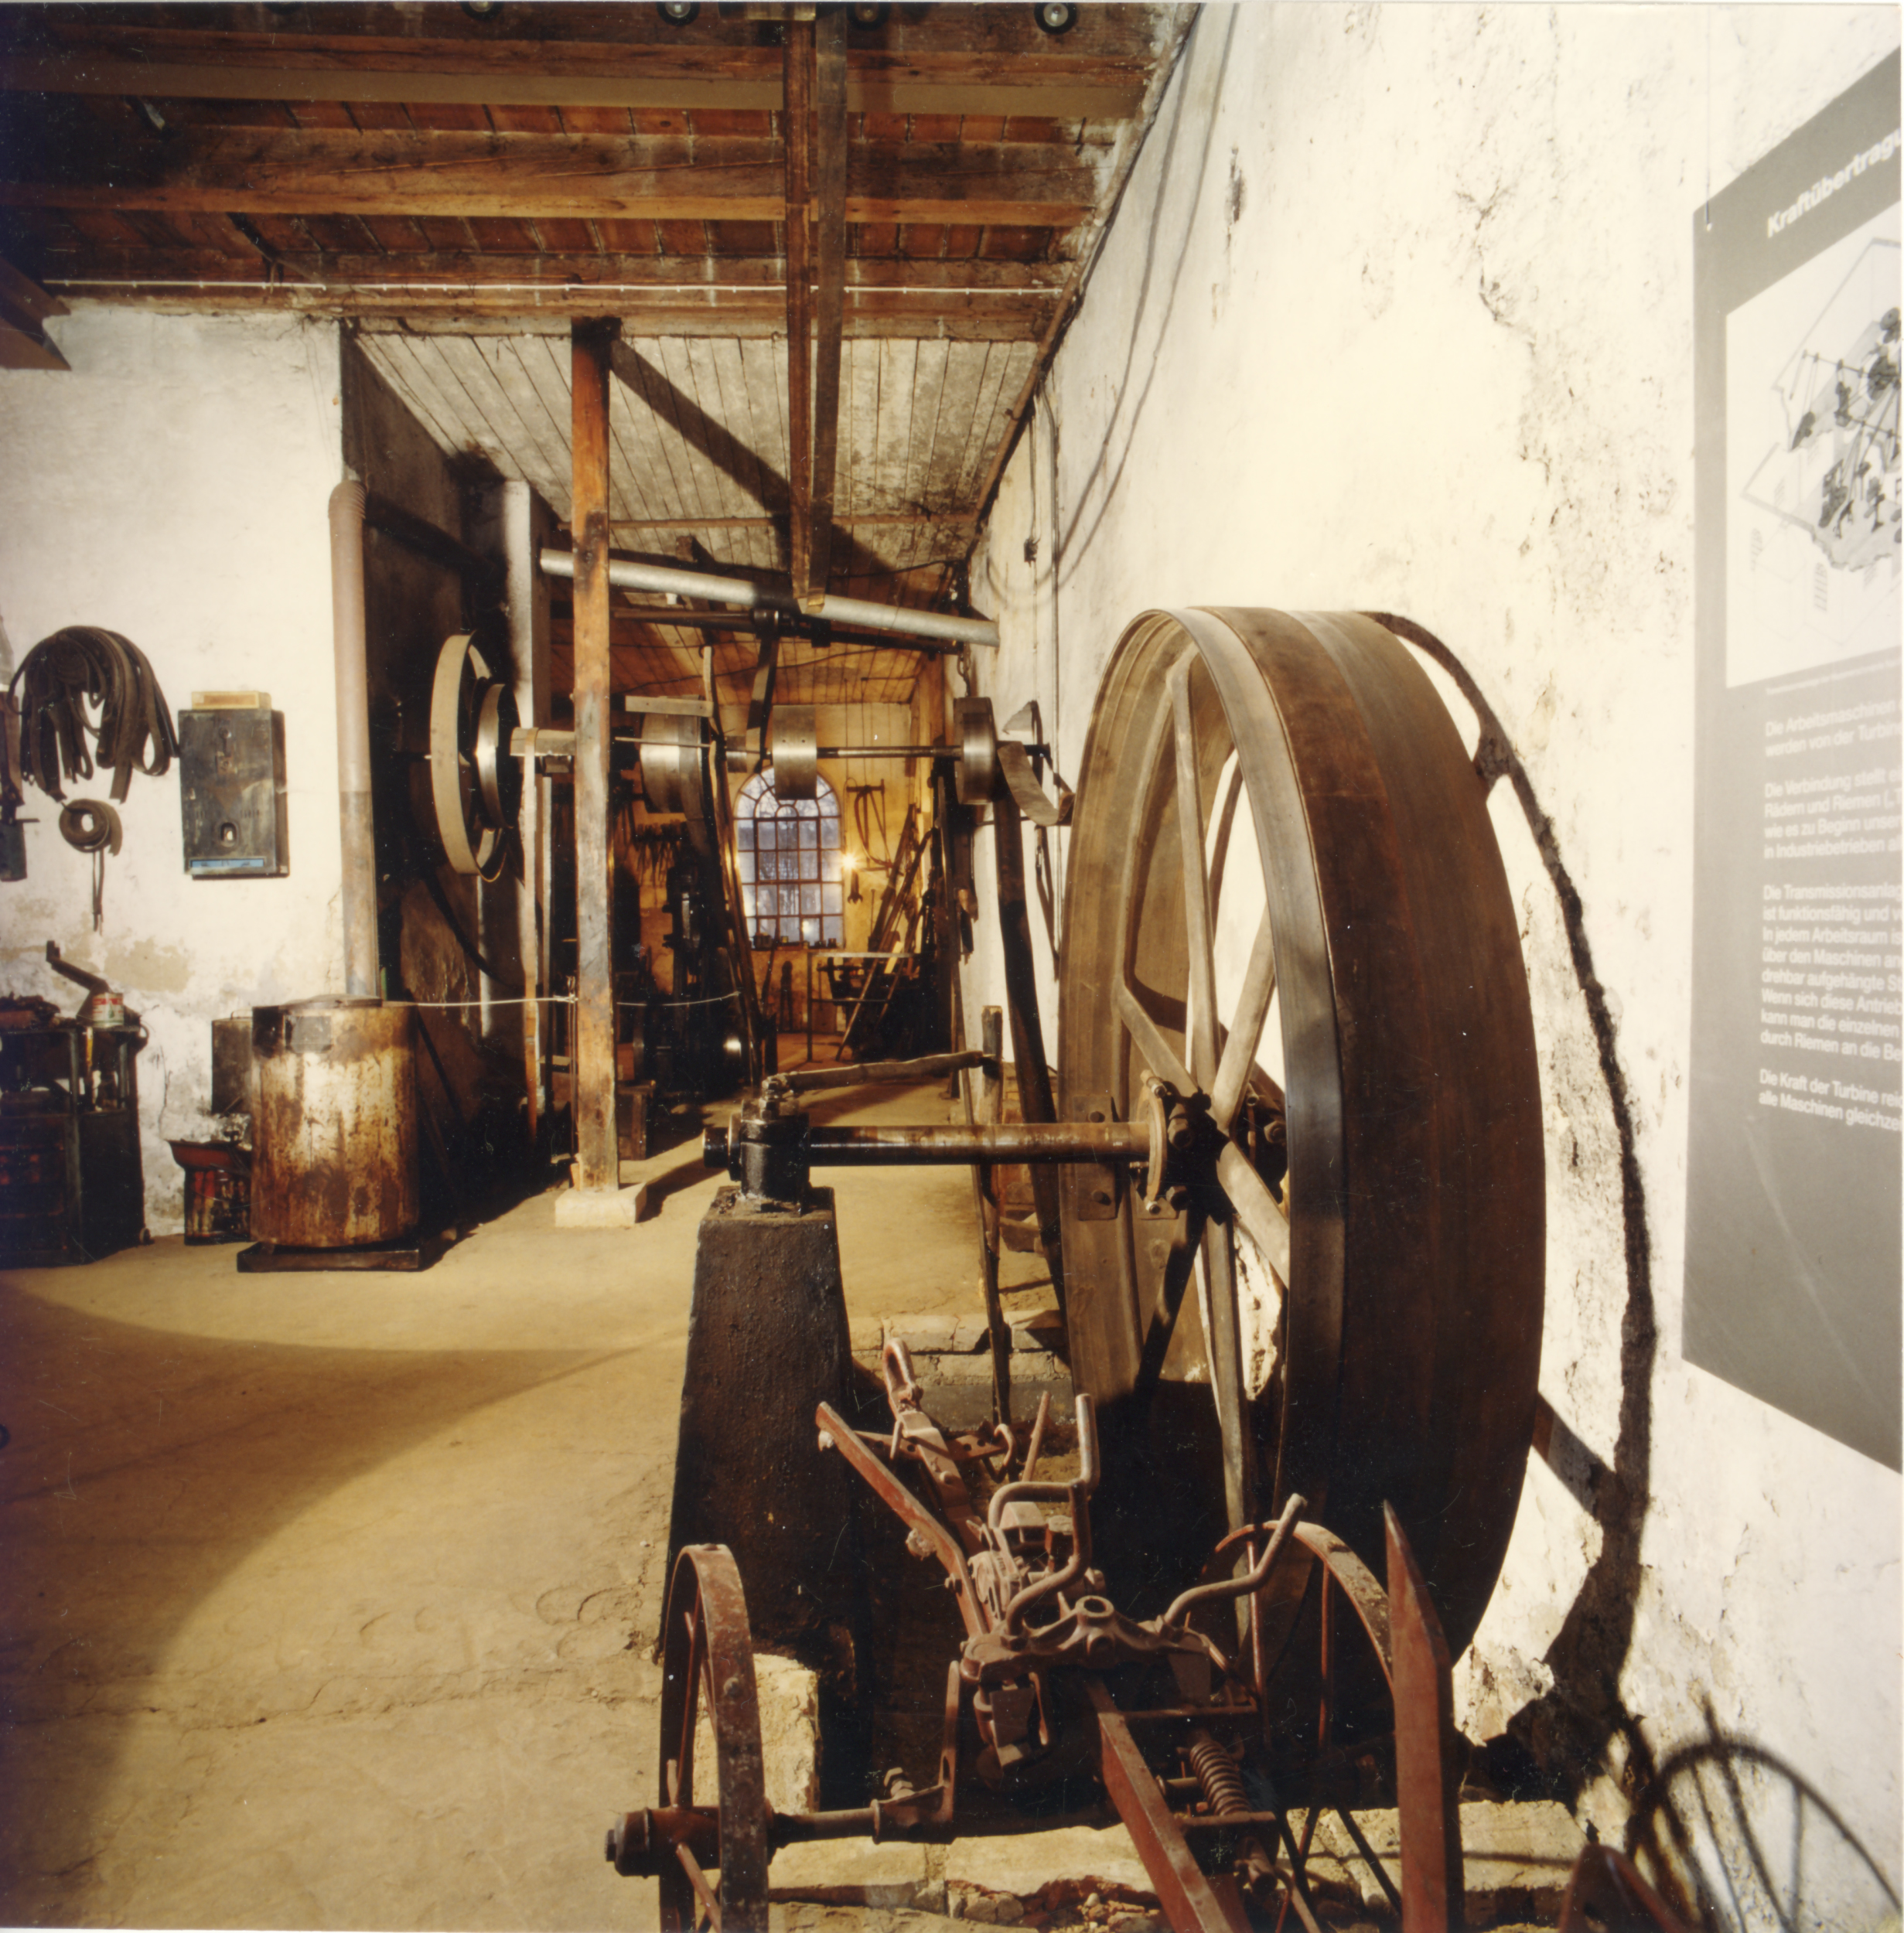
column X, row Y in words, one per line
column 354, row 740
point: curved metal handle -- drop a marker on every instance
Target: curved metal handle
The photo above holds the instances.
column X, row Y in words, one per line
column 896, row 1368
column 1077, row 1493
column 1254, row 1580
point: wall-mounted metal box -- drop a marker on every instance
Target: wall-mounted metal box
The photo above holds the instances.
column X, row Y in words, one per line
column 231, row 780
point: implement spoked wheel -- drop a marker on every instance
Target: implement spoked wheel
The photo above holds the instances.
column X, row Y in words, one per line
column 708, row 1668
column 1285, row 902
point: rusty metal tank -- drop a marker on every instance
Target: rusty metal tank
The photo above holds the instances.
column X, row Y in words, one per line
column 334, row 1132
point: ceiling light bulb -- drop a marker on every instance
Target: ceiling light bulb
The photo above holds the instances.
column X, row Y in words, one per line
column 677, row 13
column 1055, row 16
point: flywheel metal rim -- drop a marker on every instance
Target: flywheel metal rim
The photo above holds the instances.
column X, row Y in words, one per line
column 1323, row 712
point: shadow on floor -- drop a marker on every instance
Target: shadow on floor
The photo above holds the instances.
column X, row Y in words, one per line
column 140, row 1467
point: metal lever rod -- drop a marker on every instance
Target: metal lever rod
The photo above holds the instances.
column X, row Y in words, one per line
column 909, row 752
column 952, row 1146
column 928, row 1067
column 955, row 1144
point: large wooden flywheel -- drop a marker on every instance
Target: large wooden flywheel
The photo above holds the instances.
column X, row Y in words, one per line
column 1289, row 938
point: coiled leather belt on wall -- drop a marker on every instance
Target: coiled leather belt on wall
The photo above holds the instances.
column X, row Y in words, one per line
column 91, row 825
column 58, row 679
column 56, row 682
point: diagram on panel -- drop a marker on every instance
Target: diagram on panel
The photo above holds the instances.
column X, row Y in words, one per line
column 1813, row 543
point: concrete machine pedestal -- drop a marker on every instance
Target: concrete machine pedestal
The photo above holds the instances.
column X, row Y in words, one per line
column 767, row 1341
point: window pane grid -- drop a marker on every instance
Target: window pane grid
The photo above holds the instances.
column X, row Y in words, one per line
column 790, row 866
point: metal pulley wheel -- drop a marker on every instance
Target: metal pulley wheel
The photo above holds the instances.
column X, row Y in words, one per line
column 674, row 760
column 976, row 773
column 794, row 751
column 1285, row 903
column 475, row 782
column 684, row 770
column 499, row 770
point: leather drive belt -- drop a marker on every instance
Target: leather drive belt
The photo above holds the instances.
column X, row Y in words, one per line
column 91, row 825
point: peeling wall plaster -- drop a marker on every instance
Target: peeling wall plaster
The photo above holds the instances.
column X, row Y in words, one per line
column 172, row 486
column 1396, row 314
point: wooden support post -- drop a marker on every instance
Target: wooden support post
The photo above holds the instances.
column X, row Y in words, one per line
column 829, row 188
column 799, row 63
column 598, row 1159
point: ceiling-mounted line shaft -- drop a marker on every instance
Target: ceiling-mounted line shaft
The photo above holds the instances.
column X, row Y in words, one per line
column 626, row 576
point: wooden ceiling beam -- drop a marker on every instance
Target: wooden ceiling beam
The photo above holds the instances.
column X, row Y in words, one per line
column 258, row 171
column 24, row 308
column 680, row 278
column 649, row 387
column 519, row 309
column 533, row 79
column 943, row 46
column 24, row 349
column 1123, row 33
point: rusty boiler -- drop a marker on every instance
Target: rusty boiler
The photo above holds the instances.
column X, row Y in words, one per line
column 334, row 1134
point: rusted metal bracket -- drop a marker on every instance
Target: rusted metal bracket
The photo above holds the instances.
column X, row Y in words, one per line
column 1095, row 1192
column 1186, row 1893
column 1427, row 1783
column 836, row 1433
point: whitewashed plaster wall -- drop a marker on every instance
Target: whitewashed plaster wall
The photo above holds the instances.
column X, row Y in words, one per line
column 1396, row 314
column 172, row 486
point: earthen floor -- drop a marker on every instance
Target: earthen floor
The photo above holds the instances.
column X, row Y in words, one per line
column 329, row 1598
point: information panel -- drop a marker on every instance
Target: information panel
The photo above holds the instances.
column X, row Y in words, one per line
column 1794, row 1279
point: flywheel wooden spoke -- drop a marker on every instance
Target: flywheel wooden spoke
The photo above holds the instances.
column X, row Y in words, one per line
column 1201, row 992
column 1277, row 825
column 1222, row 827
column 682, row 1764
column 710, row 1914
column 1258, row 1213
column 1224, row 1354
column 1157, row 1053
column 1246, row 1030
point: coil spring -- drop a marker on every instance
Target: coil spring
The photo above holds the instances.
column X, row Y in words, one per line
column 1219, row 1775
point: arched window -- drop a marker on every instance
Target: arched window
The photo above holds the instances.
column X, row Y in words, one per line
column 789, row 865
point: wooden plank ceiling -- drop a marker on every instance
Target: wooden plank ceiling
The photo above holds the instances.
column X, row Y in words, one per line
column 458, row 182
